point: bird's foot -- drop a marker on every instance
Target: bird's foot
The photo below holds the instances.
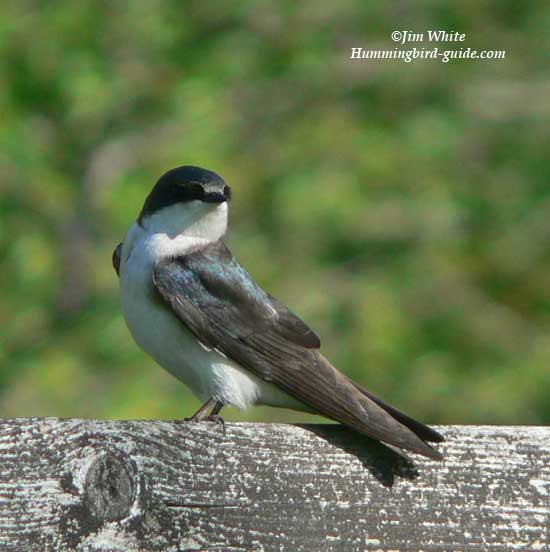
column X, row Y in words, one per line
column 218, row 420
column 212, row 418
column 202, row 414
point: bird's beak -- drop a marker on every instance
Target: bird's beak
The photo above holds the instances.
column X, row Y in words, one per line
column 214, row 197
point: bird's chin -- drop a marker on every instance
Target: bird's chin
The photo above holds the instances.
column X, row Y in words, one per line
column 221, row 207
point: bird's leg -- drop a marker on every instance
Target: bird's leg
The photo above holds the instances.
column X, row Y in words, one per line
column 201, row 415
column 214, row 415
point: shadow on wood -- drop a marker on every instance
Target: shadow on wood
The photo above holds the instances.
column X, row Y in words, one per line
column 382, row 461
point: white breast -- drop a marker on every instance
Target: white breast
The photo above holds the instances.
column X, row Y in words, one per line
column 160, row 334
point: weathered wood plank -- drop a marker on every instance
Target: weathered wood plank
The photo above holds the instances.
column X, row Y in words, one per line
column 150, row 485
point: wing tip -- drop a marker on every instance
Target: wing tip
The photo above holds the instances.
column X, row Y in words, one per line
column 436, row 437
column 423, row 431
column 314, row 340
column 405, row 439
column 431, row 453
column 409, row 441
column 397, row 430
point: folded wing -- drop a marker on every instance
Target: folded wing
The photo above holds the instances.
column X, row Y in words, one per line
column 225, row 309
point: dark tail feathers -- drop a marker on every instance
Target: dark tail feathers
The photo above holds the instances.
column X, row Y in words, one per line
column 423, row 431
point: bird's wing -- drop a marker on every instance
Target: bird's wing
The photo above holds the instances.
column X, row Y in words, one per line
column 116, row 258
column 217, row 299
column 225, row 309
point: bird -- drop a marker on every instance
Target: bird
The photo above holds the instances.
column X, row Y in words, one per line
column 198, row 313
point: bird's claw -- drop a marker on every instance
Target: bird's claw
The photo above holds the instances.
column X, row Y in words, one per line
column 212, row 418
column 218, row 420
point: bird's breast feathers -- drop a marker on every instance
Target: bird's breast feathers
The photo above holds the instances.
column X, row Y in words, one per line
column 206, row 371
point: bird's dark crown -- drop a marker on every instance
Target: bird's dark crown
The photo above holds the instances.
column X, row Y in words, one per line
column 184, row 184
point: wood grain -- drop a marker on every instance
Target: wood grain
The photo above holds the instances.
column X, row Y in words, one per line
column 91, row 485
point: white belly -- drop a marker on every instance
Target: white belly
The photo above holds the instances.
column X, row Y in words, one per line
column 161, row 335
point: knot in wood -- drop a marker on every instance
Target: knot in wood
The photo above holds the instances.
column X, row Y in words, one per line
column 110, row 486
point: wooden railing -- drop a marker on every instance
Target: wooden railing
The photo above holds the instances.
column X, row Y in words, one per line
column 92, row 485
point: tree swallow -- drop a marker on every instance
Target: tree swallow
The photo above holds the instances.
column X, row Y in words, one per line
column 192, row 307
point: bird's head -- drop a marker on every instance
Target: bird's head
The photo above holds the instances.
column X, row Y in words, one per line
column 189, row 203
column 184, row 185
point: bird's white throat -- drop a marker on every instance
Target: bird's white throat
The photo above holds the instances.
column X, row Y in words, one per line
column 178, row 229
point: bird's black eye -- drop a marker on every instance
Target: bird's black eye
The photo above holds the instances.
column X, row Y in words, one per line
column 191, row 191
column 227, row 192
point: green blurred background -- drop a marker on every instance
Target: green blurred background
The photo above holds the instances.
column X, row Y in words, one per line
column 403, row 210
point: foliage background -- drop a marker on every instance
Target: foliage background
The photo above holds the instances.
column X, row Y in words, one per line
column 403, row 210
